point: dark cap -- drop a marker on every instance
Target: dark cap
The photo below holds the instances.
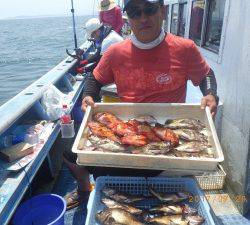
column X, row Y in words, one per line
column 127, row 1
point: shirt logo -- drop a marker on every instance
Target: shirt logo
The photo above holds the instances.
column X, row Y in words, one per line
column 163, row 79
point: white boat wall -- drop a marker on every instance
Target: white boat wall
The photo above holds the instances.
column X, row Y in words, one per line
column 229, row 56
column 26, row 107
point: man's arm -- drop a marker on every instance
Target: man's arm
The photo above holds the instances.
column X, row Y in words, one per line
column 92, row 88
column 208, row 88
column 209, row 85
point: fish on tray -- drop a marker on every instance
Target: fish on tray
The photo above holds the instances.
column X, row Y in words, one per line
column 116, row 217
column 167, row 220
column 190, row 135
column 121, row 197
column 169, row 197
column 106, row 145
column 195, row 220
column 167, row 209
column 144, row 129
column 193, row 147
column 101, row 131
column 113, row 123
column 166, row 135
column 134, row 140
column 116, row 205
column 188, row 210
column 154, row 148
column 175, row 220
column 107, row 119
column 193, row 124
column 146, row 119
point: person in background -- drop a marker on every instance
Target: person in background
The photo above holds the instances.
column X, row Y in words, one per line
column 110, row 14
column 103, row 36
column 126, row 30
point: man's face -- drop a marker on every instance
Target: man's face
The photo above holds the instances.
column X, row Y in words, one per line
column 145, row 19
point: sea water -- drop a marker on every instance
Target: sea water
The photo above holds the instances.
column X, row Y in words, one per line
column 31, row 47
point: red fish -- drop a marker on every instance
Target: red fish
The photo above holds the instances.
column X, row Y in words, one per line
column 101, row 131
column 166, row 135
column 135, row 140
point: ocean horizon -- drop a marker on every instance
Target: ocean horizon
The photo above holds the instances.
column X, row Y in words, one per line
column 30, row 47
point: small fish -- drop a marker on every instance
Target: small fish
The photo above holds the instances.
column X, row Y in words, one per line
column 101, row 131
column 193, row 124
column 116, row 216
column 167, row 220
column 154, row 148
column 190, row 135
column 193, row 147
column 166, row 134
column 169, row 197
column 135, row 140
column 144, row 129
column 195, row 220
column 188, row 210
column 106, row 145
column 148, row 119
column 167, row 209
column 120, row 197
column 116, row 205
column 206, row 132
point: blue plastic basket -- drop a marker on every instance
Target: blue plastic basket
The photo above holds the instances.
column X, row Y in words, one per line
column 139, row 185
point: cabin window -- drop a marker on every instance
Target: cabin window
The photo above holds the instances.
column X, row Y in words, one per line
column 182, row 20
column 197, row 14
column 174, row 19
column 214, row 24
column 166, row 18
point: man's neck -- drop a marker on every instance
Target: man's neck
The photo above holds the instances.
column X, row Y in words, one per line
column 150, row 40
column 148, row 45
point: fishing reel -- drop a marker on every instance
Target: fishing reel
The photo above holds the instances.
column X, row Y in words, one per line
column 78, row 54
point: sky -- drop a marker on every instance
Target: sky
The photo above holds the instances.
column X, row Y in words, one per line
column 19, row 8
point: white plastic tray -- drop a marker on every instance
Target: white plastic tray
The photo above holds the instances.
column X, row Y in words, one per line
column 161, row 111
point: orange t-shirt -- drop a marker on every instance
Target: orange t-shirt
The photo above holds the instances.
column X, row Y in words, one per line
column 156, row 75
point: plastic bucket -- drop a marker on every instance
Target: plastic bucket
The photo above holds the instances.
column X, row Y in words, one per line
column 41, row 210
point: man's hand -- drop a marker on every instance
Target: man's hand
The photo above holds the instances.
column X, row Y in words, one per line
column 88, row 100
column 210, row 101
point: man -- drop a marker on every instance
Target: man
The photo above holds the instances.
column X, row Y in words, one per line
column 103, row 37
column 151, row 66
column 155, row 66
column 110, row 14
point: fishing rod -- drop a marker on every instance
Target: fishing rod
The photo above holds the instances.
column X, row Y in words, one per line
column 74, row 24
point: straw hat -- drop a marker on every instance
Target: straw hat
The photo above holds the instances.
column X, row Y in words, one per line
column 91, row 26
column 106, row 5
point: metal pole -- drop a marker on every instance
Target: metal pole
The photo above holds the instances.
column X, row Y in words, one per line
column 74, row 24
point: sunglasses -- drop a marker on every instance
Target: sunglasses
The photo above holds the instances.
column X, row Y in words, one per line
column 135, row 12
